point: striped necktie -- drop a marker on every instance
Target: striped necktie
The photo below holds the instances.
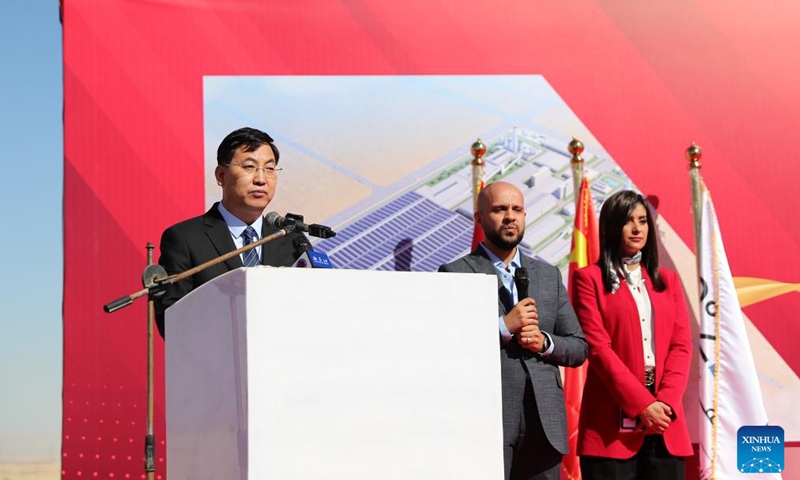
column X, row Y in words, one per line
column 251, row 256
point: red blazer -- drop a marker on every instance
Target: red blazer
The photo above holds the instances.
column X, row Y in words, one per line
column 615, row 380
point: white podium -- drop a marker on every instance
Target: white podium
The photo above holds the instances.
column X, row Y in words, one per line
column 279, row 373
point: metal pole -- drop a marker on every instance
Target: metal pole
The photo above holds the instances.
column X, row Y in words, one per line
column 478, row 150
column 150, row 439
column 693, row 154
column 575, row 147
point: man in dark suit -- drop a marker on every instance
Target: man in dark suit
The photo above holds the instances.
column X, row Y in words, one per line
column 537, row 334
column 247, row 170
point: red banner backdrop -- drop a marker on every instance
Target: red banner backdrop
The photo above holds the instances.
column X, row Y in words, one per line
column 646, row 78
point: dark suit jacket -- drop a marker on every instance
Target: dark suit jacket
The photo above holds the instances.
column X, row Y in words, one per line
column 200, row 239
column 557, row 318
column 615, row 379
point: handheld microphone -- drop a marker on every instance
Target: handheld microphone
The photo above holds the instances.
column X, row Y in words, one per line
column 308, row 257
column 274, row 220
column 522, row 281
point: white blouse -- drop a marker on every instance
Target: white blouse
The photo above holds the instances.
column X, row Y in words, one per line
column 637, row 288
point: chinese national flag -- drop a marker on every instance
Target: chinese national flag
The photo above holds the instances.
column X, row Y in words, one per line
column 585, row 251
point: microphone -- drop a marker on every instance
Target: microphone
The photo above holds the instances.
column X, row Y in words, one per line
column 308, row 257
column 522, row 281
column 274, row 220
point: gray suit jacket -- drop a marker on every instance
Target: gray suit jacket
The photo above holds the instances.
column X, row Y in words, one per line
column 557, row 318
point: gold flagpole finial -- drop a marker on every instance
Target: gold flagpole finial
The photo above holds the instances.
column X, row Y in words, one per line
column 693, row 154
column 478, row 150
column 575, row 147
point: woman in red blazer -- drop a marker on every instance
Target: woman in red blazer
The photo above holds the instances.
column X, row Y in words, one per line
column 633, row 313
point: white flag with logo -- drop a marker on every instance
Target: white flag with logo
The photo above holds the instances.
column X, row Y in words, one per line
column 730, row 395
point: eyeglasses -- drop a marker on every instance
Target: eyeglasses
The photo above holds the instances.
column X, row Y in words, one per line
column 250, row 169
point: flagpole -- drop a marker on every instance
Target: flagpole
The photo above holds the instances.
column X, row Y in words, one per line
column 574, row 378
column 729, row 391
column 478, row 150
column 575, row 147
column 693, row 154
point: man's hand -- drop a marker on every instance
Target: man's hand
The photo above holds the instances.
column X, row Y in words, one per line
column 656, row 417
column 523, row 322
column 531, row 338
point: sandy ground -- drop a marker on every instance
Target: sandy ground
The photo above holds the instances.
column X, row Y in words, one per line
column 30, row 471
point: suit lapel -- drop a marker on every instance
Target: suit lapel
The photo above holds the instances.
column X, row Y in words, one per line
column 480, row 263
column 534, row 288
column 220, row 236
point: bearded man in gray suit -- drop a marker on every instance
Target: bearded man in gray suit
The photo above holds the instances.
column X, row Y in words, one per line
column 538, row 332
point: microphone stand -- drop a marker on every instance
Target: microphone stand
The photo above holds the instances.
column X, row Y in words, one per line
column 160, row 281
column 150, row 438
column 156, row 281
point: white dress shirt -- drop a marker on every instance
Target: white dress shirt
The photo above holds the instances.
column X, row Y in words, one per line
column 237, row 227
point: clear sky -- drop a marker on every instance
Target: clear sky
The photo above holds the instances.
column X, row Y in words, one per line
column 31, row 245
